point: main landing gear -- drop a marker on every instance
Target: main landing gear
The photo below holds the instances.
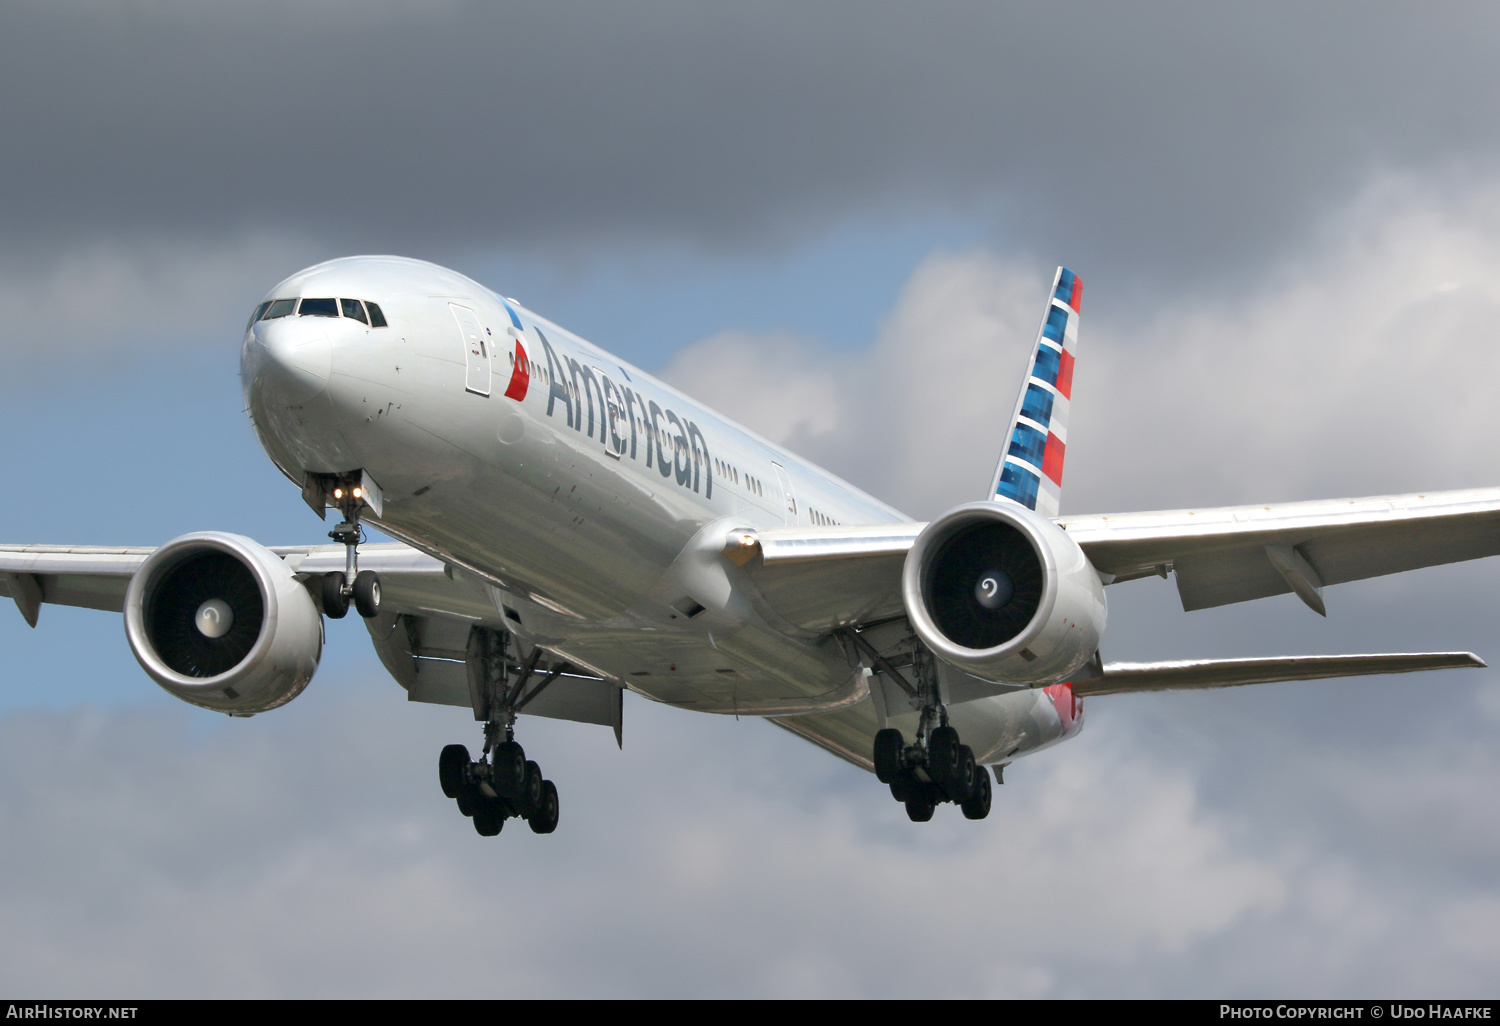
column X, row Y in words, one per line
column 363, row 586
column 494, row 791
column 923, row 775
column 502, row 783
column 937, row 767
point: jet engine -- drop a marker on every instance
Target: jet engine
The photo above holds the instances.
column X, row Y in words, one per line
column 1004, row 594
column 220, row 621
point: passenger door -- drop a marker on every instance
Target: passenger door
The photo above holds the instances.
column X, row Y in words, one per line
column 788, row 497
column 477, row 348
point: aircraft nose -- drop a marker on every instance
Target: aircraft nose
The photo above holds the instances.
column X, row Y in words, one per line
column 289, row 356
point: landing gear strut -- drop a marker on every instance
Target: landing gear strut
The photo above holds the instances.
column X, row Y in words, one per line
column 502, row 783
column 936, row 767
column 363, row 586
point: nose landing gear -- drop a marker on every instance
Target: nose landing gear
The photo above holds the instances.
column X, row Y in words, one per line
column 363, row 586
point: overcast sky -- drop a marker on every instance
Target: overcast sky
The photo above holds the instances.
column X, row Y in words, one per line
column 1287, row 219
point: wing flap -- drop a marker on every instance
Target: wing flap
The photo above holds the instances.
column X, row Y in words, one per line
column 427, row 656
column 1196, row 674
column 568, row 697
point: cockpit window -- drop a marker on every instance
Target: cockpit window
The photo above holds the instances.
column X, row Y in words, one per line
column 353, row 308
column 280, row 308
column 260, row 311
column 377, row 319
column 319, row 308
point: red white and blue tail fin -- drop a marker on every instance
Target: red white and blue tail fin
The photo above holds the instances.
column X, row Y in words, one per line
column 1031, row 462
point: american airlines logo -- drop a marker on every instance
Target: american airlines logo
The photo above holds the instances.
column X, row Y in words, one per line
column 628, row 423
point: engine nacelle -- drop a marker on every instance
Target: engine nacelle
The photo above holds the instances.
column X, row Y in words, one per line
column 1004, row 594
column 220, row 621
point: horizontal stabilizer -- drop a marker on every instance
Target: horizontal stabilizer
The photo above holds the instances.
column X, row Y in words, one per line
column 1194, row 674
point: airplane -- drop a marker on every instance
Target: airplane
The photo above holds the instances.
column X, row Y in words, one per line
column 568, row 527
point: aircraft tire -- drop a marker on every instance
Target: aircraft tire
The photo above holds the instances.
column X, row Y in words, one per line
column 509, row 764
column 919, row 810
column 451, row 764
column 888, row 746
column 468, row 798
column 367, row 594
column 335, row 602
column 943, row 757
column 961, row 786
column 544, row 820
column 530, row 798
column 977, row 805
column 489, row 818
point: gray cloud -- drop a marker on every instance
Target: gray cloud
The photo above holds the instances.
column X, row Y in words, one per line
column 110, row 297
column 1171, row 136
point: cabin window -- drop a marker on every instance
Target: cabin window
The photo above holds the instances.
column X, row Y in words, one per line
column 354, row 309
column 280, row 308
column 318, row 308
column 377, row 319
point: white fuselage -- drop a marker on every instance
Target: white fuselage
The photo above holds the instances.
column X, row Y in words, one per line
column 590, row 497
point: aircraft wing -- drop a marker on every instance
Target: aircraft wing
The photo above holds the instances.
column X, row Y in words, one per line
column 1197, row 674
column 1237, row 553
column 820, row 579
column 426, row 612
column 817, row 579
column 92, row 576
column 96, row 576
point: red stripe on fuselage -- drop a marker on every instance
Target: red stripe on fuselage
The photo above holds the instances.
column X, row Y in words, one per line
column 520, row 378
column 1069, row 707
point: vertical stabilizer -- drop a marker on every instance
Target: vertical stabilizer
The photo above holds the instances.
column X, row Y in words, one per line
column 1036, row 437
